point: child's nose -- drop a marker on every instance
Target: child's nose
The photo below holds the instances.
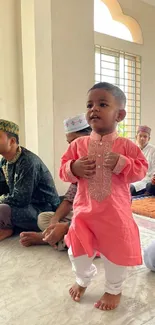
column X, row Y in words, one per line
column 95, row 108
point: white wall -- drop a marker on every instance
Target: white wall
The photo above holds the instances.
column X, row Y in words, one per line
column 9, row 82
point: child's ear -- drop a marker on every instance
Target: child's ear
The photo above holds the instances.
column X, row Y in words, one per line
column 121, row 115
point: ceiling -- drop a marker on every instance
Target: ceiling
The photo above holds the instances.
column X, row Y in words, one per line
column 150, row 2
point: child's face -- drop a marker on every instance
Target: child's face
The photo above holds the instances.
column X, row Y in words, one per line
column 103, row 111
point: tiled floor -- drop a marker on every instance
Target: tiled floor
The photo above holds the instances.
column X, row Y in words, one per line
column 145, row 222
column 34, row 286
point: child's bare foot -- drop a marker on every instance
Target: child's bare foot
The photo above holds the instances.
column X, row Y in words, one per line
column 108, row 301
column 77, row 292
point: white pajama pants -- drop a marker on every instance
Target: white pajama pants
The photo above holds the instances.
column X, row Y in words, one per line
column 85, row 270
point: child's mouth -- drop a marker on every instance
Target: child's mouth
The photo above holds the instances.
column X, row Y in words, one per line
column 94, row 117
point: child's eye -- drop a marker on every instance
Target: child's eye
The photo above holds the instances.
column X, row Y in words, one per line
column 103, row 105
column 89, row 106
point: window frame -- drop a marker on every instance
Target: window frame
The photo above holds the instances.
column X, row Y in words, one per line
column 132, row 82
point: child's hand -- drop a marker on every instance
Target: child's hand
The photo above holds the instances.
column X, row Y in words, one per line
column 111, row 159
column 83, row 167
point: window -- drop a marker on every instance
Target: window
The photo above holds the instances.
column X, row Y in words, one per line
column 124, row 70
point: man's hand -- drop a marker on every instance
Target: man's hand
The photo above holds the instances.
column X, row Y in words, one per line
column 54, row 220
column 55, row 232
column 83, row 167
column 111, row 160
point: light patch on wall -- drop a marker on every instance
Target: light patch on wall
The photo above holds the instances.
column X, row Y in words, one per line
column 104, row 23
column 111, row 20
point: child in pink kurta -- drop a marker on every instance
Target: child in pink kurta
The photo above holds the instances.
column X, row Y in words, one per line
column 102, row 208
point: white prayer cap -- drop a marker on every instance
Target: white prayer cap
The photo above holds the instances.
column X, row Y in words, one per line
column 76, row 123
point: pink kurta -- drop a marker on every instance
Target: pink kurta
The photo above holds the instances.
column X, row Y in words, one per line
column 102, row 218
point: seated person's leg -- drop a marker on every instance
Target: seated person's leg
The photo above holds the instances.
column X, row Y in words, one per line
column 150, row 188
column 25, row 218
column 134, row 193
column 44, row 220
column 132, row 190
column 149, row 256
column 6, row 227
column 30, row 238
column 59, row 221
column 29, row 222
column 36, row 238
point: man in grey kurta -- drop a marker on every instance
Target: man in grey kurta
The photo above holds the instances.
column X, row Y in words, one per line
column 28, row 185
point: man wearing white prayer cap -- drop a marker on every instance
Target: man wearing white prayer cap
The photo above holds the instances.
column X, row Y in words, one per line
column 142, row 139
column 57, row 224
column 76, row 127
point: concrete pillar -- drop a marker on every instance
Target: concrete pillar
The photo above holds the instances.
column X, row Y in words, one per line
column 73, row 65
column 9, row 83
column 28, row 84
column 44, row 78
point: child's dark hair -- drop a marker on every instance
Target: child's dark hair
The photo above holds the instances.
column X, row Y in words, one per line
column 114, row 90
column 85, row 131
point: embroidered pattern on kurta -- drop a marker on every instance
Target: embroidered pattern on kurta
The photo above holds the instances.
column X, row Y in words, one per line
column 100, row 184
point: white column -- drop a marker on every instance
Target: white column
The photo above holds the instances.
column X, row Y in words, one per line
column 27, row 62
column 36, row 104
column 73, row 65
column 44, row 77
column 9, row 82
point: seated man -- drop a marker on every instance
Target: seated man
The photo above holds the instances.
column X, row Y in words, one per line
column 58, row 224
column 149, row 256
column 143, row 138
column 27, row 187
column 150, row 187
